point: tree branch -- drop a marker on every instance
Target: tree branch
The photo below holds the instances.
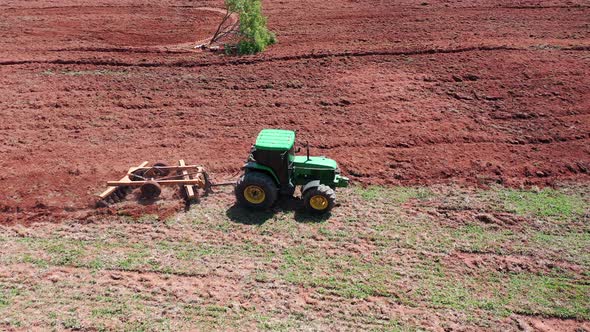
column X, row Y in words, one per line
column 220, row 28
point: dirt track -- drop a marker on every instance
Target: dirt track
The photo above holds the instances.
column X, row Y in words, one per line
column 398, row 92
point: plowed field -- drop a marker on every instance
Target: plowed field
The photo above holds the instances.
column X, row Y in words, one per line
column 398, row 92
column 446, row 108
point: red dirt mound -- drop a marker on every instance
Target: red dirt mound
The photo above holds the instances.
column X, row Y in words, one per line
column 408, row 93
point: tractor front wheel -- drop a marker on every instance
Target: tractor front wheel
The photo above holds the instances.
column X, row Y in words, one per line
column 256, row 190
column 320, row 199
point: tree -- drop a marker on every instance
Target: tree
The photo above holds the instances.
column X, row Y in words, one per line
column 245, row 26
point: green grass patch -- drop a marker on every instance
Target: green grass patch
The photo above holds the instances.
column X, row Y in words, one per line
column 65, row 253
column 28, row 258
column 163, row 256
column 397, row 195
column 110, row 311
column 7, row 294
column 506, row 293
column 476, row 238
column 342, row 275
column 289, row 323
column 550, row 296
column 570, row 246
column 543, row 203
column 72, row 323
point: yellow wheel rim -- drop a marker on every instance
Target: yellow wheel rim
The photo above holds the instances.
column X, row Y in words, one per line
column 254, row 194
column 318, row 202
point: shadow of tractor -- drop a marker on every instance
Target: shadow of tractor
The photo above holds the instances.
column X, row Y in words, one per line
column 247, row 216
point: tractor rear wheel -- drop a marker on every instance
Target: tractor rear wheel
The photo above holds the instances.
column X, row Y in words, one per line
column 320, row 199
column 256, row 190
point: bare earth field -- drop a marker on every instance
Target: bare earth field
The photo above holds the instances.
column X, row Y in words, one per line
column 397, row 92
column 424, row 101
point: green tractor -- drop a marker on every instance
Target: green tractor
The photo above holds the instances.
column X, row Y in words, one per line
column 273, row 169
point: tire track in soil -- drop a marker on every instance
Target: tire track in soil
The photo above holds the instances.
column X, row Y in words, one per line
column 478, row 8
column 540, row 7
column 159, row 49
column 471, row 261
column 222, row 286
column 430, row 142
column 120, row 50
column 514, row 263
column 214, row 289
column 191, row 64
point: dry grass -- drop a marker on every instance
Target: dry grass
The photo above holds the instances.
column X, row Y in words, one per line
column 386, row 259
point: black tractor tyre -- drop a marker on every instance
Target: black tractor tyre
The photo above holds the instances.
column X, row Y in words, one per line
column 150, row 190
column 319, row 200
column 256, row 190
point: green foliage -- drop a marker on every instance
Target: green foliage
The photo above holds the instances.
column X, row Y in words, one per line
column 254, row 35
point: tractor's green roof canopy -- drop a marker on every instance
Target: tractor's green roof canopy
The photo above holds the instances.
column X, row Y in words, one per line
column 275, row 139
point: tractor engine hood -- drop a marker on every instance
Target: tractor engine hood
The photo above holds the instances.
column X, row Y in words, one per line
column 325, row 169
column 319, row 163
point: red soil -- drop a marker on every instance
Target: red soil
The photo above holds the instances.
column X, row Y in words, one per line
column 405, row 92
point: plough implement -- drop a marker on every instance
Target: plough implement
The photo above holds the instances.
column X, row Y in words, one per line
column 150, row 179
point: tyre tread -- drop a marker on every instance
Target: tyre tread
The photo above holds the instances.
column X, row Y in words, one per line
column 323, row 190
column 261, row 179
